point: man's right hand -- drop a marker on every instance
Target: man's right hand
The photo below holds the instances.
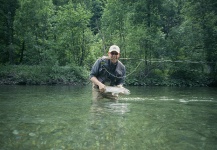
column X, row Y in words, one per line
column 100, row 84
column 101, row 87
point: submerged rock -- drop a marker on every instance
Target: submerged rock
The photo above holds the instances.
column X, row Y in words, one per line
column 31, row 134
column 15, row 132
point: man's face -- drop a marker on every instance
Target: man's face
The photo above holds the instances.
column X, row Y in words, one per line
column 114, row 56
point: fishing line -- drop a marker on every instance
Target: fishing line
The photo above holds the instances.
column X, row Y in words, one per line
column 126, row 75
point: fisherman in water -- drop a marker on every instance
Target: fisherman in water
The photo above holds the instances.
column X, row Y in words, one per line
column 107, row 71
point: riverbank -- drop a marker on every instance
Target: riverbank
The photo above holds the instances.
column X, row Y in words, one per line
column 73, row 75
column 42, row 75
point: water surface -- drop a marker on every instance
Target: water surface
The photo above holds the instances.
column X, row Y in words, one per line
column 65, row 117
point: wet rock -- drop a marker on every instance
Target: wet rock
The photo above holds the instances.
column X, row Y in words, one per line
column 15, row 132
column 32, row 134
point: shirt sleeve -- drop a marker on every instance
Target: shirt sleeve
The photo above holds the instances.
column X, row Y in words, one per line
column 95, row 69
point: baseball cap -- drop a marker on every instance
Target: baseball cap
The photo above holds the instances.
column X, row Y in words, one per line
column 114, row 48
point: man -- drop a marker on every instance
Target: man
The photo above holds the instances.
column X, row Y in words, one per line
column 107, row 71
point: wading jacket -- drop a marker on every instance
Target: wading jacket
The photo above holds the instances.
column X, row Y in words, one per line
column 107, row 72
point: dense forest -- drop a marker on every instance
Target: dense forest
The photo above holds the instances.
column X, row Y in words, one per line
column 162, row 42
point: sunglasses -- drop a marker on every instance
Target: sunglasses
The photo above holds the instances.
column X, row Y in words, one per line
column 114, row 53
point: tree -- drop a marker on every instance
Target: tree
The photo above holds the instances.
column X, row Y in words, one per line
column 72, row 34
column 114, row 22
column 7, row 46
column 97, row 10
column 33, row 22
column 204, row 15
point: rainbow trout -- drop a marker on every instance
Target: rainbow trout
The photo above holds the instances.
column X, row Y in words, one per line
column 116, row 90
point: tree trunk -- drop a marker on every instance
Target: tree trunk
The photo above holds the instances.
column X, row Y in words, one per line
column 22, row 50
column 10, row 37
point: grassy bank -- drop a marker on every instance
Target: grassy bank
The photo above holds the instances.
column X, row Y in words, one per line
column 40, row 75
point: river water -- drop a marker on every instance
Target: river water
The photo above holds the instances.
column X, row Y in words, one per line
column 65, row 117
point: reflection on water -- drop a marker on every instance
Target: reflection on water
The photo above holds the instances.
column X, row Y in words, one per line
column 111, row 107
column 62, row 117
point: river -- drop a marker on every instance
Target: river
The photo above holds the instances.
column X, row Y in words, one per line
column 65, row 117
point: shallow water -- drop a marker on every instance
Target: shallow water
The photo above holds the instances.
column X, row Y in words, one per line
column 65, row 117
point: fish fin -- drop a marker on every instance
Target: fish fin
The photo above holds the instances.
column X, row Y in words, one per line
column 115, row 94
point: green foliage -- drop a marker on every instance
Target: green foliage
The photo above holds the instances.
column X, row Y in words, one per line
column 37, row 75
column 32, row 24
column 72, row 35
column 97, row 11
column 113, row 23
column 7, row 47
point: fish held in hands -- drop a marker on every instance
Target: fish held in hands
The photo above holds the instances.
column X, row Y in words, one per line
column 116, row 90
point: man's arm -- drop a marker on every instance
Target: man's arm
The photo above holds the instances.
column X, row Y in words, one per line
column 94, row 73
column 97, row 82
